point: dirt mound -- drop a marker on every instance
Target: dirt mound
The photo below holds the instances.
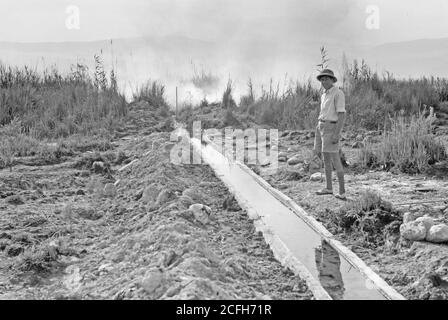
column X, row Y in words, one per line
column 74, row 240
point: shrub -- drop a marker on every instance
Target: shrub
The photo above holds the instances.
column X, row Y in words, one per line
column 249, row 99
column 229, row 119
column 410, row 145
column 227, row 99
column 205, row 81
column 368, row 216
column 152, row 92
column 368, row 157
column 40, row 259
column 13, row 143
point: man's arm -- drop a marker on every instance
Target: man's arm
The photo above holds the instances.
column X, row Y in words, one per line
column 340, row 109
column 339, row 126
column 340, row 123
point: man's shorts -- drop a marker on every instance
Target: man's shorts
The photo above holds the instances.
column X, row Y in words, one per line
column 325, row 131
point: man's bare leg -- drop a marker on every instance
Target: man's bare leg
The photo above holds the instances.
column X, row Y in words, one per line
column 328, row 169
column 336, row 159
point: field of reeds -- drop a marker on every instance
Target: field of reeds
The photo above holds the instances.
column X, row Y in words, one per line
column 38, row 108
column 52, row 105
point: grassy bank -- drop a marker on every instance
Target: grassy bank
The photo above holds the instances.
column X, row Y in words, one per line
column 52, row 105
column 50, row 114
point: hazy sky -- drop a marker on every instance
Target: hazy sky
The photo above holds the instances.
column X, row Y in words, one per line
column 284, row 20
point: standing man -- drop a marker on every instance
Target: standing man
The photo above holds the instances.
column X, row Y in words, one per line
column 328, row 131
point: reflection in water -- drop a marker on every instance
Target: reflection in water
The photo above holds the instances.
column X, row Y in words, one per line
column 328, row 264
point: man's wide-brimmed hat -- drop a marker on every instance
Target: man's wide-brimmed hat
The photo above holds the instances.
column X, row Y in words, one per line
column 328, row 73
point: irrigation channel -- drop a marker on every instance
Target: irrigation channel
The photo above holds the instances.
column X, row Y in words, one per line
column 298, row 241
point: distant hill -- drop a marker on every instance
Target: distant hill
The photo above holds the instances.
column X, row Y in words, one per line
column 412, row 58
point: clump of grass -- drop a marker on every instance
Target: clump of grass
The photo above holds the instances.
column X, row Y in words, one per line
column 368, row 156
column 152, row 92
column 186, row 113
column 100, row 79
column 39, row 259
column 249, row 99
column 229, row 119
column 14, row 143
column 227, row 99
column 7, row 150
column 206, row 81
column 368, row 217
column 410, row 146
